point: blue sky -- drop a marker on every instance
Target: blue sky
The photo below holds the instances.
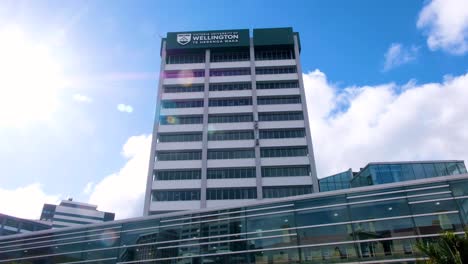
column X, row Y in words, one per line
column 108, row 54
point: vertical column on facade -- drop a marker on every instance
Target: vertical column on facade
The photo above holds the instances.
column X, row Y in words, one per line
column 204, row 169
column 313, row 169
column 149, row 181
column 258, row 164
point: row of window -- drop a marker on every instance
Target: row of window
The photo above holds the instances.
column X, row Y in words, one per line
column 229, row 72
column 232, row 153
column 280, row 116
column 231, row 118
column 283, row 152
column 277, row 85
column 279, row 100
column 278, row 192
column 166, row 175
column 282, row 133
column 231, row 193
column 231, row 173
column 274, row 54
column 180, row 137
column 182, row 104
column 181, row 120
column 275, row 70
column 185, row 58
column 230, row 86
column 230, row 102
column 184, row 88
column 222, row 102
column 227, row 56
column 184, row 74
column 230, row 135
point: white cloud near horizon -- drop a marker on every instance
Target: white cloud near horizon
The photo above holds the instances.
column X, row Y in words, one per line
column 82, row 98
column 125, row 108
column 123, row 191
column 397, row 55
column 445, row 22
column 26, row 202
column 355, row 125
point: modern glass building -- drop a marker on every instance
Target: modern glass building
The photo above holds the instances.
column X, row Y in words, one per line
column 372, row 224
column 10, row 225
column 387, row 172
column 231, row 121
column 337, row 181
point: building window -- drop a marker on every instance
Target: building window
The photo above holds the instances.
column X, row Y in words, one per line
column 280, row 116
column 178, row 155
column 184, row 89
column 182, row 137
column 234, row 118
column 279, row 100
column 282, row 133
column 278, row 192
column 227, row 56
column 230, row 102
column 283, row 152
column 229, row 72
column 181, row 120
column 277, row 85
column 185, row 58
column 231, row 154
column 167, row 175
column 184, row 74
column 275, row 70
column 230, row 135
column 231, row 194
column 182, row 104
column 231, row 173
column 230, row 86
column 274, row 54
column 291, row 171
column 185, row 195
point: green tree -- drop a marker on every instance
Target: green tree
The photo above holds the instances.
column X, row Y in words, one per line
column 447, row 249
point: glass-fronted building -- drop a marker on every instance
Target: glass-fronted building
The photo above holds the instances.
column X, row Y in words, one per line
column 387, row 172
column 371, row 224
column 10, row 225
column 337, row 181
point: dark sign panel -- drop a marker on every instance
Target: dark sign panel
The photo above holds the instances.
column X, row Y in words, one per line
column 208, row 39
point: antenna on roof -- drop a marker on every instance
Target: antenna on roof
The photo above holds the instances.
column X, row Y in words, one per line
column 70, row 199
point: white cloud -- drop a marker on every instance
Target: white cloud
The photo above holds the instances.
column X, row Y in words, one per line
column 82, row 98
column 397, row 55
column 125, row 108
column 445, row 22
column 357, row 125
column 88, row 188
column 123, row 192
column 25, row 202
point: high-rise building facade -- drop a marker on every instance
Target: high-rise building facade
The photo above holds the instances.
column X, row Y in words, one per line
column 231, row 121
column 70, row 213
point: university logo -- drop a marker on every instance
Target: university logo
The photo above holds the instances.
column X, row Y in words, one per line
column 184, row 39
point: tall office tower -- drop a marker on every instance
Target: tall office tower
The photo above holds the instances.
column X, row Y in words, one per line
column 231, row 121
column 70, row 213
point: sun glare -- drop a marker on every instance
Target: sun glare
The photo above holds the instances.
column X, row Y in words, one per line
column 29, row 79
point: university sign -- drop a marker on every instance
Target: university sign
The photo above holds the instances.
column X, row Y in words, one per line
column 208, row 39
